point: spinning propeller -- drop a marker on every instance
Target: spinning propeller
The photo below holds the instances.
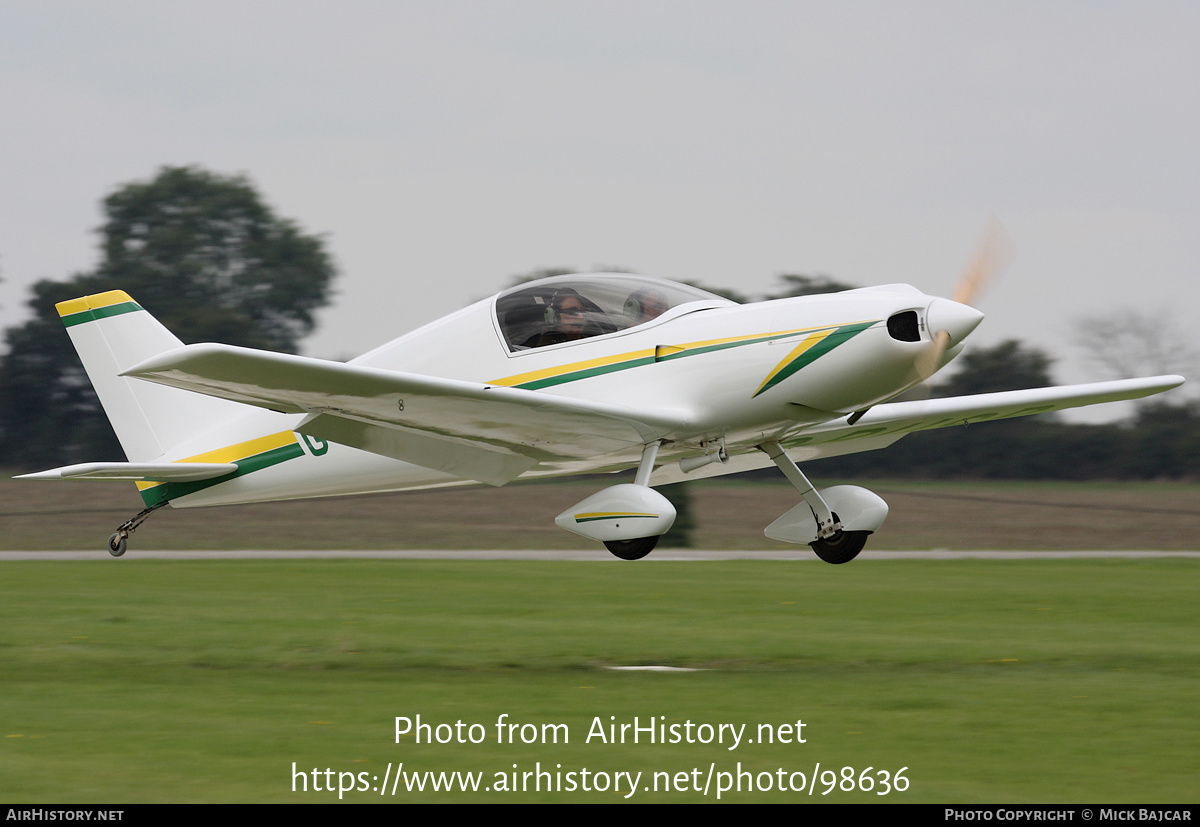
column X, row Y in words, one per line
column 949, row 322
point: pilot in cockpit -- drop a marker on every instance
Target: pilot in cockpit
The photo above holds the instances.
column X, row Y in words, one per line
column 571, row 316
column 564, row 320
column 566, row 315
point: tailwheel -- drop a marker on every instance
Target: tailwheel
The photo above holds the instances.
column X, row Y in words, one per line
column 120, row 540
column 840, row 547
column 633, row 549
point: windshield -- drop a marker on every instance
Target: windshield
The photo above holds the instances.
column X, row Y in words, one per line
column 568, row 308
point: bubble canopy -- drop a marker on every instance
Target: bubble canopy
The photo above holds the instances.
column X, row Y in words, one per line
column 568, row 308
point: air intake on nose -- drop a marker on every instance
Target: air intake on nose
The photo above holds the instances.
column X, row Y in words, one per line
column 904, row 327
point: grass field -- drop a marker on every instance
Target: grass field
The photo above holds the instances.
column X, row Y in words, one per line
column 990, row 681
column 730, row 514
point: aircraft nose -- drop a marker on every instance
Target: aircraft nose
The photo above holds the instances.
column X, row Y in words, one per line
column 955, row 319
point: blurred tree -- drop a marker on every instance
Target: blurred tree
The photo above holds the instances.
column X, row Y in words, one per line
column 791, row 285
column 680, row 535
column 797, row 284
column 540, row 273
column 724, row 292
column 1132, row 343
column 198, row 250
column 1008, row 366
column 547, row 272
column 1165, row 441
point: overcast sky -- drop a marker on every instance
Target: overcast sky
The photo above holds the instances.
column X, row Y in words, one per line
column 441, row 147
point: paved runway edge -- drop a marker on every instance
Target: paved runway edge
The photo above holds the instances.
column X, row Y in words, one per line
column 659, row 556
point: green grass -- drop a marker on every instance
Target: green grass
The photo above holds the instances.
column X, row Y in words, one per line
column 991, row 681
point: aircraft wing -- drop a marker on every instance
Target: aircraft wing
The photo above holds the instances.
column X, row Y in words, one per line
column 473, row 430
column 926, row 414
column 886, row 423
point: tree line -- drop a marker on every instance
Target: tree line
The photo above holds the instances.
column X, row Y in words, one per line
column 213, row 263
column 199, row 251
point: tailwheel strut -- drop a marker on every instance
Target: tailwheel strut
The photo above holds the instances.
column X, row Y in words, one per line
column 118, row 542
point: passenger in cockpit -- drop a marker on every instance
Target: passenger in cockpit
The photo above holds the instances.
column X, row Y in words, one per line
column 645, row 304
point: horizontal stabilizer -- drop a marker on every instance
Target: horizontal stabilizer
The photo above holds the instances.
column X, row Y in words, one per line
column 136, row 471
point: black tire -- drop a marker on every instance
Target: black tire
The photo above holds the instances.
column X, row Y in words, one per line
column 632, row 549
column 841, row 547
column 116, row 545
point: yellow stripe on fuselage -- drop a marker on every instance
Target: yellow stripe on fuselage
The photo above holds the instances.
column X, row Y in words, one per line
column 648, row 353
column 533, row 376
column 233, row 453
column 806, row 343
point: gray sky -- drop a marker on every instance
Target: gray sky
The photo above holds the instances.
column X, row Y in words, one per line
column 443, row 146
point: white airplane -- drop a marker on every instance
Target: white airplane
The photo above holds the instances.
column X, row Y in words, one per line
column 566, row 375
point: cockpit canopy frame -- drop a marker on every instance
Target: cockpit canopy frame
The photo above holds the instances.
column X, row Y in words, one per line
column 573, row 307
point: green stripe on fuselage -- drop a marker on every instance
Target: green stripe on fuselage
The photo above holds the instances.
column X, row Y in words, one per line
column 837, row 337
column 586, row 373
column 173, row 490
column 599, row 370
column 696, row 351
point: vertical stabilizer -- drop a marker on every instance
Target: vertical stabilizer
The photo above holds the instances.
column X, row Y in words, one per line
column 111, row 332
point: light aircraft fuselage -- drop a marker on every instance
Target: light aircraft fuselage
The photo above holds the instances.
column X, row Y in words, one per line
column 567, row 375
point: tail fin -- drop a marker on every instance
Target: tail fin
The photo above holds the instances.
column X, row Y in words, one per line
column 111, row 332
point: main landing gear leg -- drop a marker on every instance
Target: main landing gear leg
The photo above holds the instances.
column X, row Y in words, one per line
column 120, row 540
column 833, row 544
column 827, row 521
column 646, row 466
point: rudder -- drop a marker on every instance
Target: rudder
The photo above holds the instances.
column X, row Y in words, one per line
column 112, row 333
